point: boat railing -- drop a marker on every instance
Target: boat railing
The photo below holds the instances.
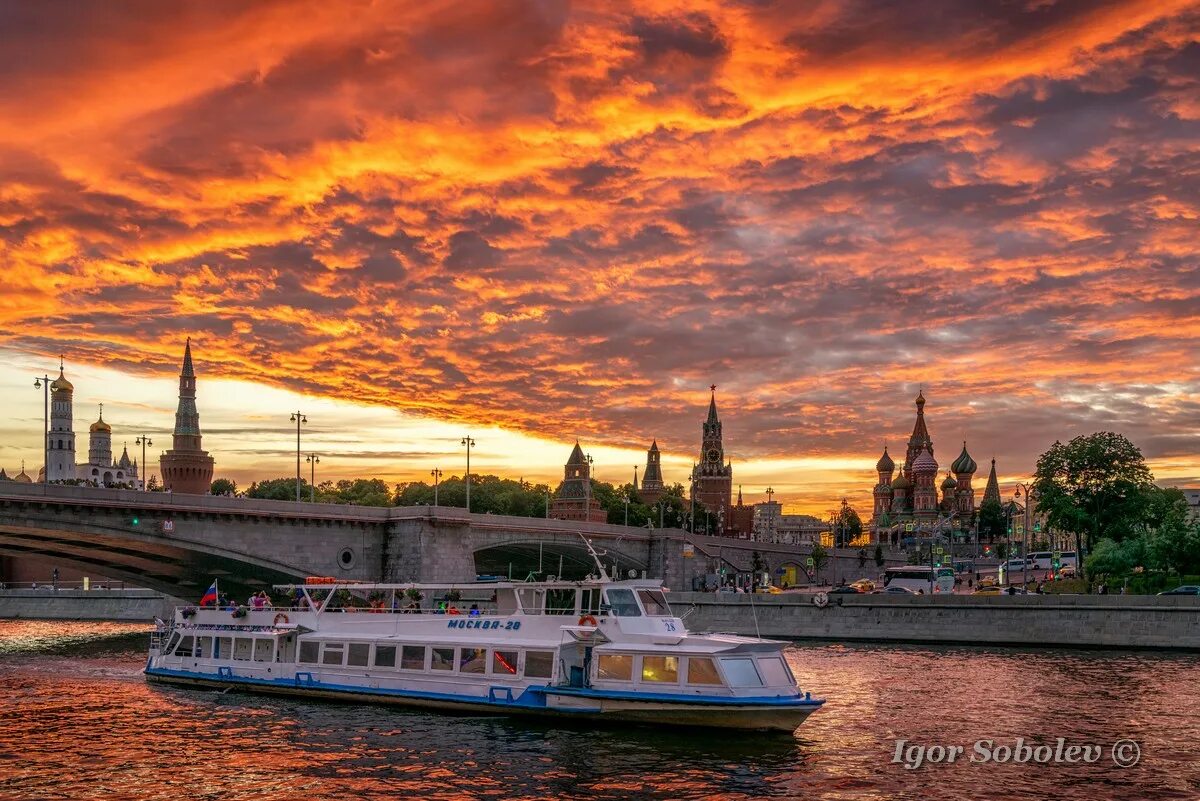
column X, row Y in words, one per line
column 358, row 609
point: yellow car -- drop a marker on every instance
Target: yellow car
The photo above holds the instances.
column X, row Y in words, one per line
column 864, row 585
column 988, row 581
column 769, row 590
column 989, row 590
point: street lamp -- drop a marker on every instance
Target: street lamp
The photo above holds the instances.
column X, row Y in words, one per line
column 313, row 460
column 627, row 508
column 437, row 476
column 770, row 514
column 1029, row 495
column 43, row 383
column 470, row 443
column 143, row 440
column 587, row 489
column 298, row 418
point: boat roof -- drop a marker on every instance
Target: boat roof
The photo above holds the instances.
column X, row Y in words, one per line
column 641, row 584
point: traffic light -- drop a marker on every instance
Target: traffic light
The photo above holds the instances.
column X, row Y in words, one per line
column 135, row 521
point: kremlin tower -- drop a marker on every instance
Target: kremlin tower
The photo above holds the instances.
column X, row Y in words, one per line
column 186, row 467
column 712, row 478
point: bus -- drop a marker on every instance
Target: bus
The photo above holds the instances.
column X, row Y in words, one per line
column 1044, row 560
column 920, row 578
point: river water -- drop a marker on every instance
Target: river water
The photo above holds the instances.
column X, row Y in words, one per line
column 80, row 722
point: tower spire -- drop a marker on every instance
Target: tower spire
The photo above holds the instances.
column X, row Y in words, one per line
column 186, row 467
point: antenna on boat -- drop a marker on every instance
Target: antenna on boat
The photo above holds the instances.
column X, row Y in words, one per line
column 596, row 557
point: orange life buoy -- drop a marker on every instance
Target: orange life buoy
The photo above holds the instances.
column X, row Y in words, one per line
column 280, row 618
column 587, row 620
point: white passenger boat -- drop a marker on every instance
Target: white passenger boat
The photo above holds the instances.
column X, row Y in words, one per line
column 594, row 650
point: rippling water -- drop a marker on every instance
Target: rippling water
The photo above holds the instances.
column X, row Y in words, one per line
column 79, row 722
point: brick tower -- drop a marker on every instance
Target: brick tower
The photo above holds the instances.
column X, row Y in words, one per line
column 712, row 478
column 186, row 467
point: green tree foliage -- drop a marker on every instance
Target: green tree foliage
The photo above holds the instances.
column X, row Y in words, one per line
column 820, row 558
column 1113, row 559
column 489, row 494
column 224, row 486
column 1094, row 486
column 993, row 525
column 278, row 489
column 848, row 526
column 1172, row 540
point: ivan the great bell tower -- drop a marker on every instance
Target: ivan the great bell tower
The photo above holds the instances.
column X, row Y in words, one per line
column 712, row 478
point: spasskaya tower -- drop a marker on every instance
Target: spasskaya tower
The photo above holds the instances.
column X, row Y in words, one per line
column 712, row 477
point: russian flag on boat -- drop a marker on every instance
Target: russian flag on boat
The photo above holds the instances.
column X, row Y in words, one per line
column 210, row 597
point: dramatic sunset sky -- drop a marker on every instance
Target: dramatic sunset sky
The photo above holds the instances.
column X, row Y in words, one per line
column 536, row 221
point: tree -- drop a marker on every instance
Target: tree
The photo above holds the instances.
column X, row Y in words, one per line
column 820, row 558
column 848, row 526
column 992, row 521
column 224, row 486
column 879, row 560
column 1095, row 486
column 1172, row 540
column 277, row 489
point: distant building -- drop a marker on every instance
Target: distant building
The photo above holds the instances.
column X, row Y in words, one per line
column 652, row 480
column 574, row 499
column 186, row 467
column 1193, row 500
column 60, row 444
column 101, row 469
column 741, row 519
column 712, row 477
column 908, row 504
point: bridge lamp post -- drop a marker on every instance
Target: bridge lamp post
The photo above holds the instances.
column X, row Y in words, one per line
column 43, row 383
column 313, row 460
column 298, row 418
column 437, row 475
column 770, row 514
column 470, row 443
column 627, row 508
column 143, row 440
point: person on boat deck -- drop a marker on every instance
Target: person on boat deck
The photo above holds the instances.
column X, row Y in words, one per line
column 441, row 608
column 453, row 610
column 474, row 610
column 255, row 601
column 266, row 600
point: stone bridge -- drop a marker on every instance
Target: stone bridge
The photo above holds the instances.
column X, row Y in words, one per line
column 177, row 544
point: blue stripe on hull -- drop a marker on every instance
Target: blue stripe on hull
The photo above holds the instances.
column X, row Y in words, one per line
column 530, row 699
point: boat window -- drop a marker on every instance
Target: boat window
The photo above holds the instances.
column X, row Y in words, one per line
column 203, row 647
column 412, row 657
column 531, row 600
column 660, row 668
column 171, row 643
column 741, row 672
column 589, row 602
column 623, row 604
column 225, row 648
column 241, row 648
column 560, row 602
column 654, row 603
column 263, row 649
column 774, row 672
column 185, row 647
column 504, row 663
column 701, row 670
column 472, row 660
column 358, row 654
column 539, row 664
column 618, row 667
column 443, row 659
column 332, row 653
column 385, row 656
column 308, row 651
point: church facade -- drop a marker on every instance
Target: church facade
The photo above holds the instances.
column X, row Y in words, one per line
column 914, row 503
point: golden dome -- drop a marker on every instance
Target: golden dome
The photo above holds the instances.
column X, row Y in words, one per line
column 61, row 383
column 100, row 425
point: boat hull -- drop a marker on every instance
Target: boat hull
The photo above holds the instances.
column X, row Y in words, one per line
column 575, row 706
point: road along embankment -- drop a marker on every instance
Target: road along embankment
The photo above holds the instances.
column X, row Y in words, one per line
column 1069, row 621
column 46, row 604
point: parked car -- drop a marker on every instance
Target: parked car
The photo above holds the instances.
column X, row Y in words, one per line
column 988, row 581
column 845, row 589
column 863, row 585
column 1185, row 589
column 895, row 591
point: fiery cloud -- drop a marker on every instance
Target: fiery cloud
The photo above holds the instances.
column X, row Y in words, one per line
column 571, row 219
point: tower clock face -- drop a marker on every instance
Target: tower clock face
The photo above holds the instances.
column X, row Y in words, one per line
column 713, row 454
